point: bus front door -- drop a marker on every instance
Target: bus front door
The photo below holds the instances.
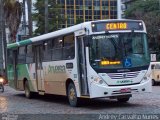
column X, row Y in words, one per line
column 39, row 69
column 82, row 66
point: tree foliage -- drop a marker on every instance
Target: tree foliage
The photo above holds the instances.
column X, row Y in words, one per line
column 149, row 12
column 54, row 16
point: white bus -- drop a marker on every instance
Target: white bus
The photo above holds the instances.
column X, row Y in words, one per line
column 106, row 58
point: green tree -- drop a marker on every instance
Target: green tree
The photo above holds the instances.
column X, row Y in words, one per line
column 149, row 12
column 54, row 16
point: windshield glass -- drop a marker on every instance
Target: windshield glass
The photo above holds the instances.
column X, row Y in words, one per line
column 119, row 50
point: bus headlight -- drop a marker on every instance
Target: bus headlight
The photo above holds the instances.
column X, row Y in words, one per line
column 98, row 80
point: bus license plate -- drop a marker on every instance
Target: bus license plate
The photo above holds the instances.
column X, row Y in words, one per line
column 125, row 90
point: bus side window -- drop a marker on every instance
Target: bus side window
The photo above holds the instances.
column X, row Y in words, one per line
column 47, row 51
column 29, row 54
column 22, row 55
column 57, row 49
column 69, row 47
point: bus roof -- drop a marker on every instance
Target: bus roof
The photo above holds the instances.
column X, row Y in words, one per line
column 60, row 33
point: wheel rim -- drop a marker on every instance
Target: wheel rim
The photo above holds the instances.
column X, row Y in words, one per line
column 72, row 94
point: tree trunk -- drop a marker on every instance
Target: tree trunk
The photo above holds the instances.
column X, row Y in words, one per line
column 3, row 50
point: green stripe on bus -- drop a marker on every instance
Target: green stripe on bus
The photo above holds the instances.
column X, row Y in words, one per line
column 25, row 42
column 14, row 45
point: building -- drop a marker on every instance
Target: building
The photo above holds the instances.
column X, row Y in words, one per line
column 77, row 11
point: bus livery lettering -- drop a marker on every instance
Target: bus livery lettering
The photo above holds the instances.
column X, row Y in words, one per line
column 56, row 69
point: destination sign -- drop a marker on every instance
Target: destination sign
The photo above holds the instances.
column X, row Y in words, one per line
column 117, row 25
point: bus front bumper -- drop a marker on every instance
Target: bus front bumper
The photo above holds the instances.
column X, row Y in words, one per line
column 97, row 90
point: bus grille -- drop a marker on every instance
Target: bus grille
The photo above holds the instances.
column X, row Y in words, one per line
column 123, row 75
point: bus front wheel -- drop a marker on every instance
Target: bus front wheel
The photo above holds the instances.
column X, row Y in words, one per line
column 28, row 93
column 72, row 95
column 123, row 100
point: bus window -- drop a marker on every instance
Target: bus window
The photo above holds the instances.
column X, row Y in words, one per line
column 57, row 49
column 47, row 51
column 22, row 55
column 29, row 54
column 137, row 44
column 69, row 47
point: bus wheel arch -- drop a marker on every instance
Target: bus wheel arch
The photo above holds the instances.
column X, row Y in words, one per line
column 27, row 90
column 68, row 81
column 71, row 93
column 24, row 80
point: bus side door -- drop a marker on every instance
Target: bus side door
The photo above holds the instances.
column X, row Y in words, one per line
column 39, row 68
column 82, row 65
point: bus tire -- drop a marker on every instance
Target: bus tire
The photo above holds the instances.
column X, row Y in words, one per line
column 153, row 82
column 72, row 95
column 28, row 93
column 123, row 100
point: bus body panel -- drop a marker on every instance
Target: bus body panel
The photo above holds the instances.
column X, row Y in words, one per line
column 24, row 71
column 56, row 75
column 10, row 75
column 106, row 91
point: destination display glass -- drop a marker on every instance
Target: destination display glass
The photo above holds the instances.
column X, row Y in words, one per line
column 117, row 25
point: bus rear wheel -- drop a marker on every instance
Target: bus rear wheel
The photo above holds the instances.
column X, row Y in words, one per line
column 123, row 100
column 72, row 95
column 28, row 93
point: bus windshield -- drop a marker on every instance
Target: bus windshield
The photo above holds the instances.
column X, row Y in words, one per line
column 119, row 50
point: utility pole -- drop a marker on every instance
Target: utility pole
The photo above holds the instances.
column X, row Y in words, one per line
column 119, row 10
column 46, row 16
